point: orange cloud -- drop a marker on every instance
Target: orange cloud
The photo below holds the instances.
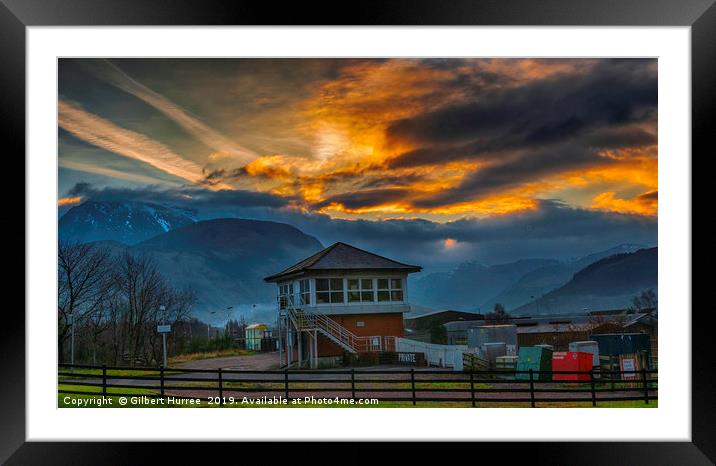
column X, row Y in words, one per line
column 643, row 204
column 68, row 200
column 344, row 122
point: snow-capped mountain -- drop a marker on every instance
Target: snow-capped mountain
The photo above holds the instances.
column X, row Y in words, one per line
column 126, row 222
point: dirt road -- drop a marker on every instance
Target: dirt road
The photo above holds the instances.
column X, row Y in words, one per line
column 253, row 362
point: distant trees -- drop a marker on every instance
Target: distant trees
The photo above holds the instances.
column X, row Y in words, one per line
column 646, row 301
column 117, row 301
column 497, row 316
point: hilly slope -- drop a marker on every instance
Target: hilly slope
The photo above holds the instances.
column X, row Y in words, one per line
column 536, row 283
column 471, row 283
column 225, row 260
column 606, row 284
column 126, row 222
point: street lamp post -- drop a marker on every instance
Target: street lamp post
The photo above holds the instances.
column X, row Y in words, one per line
column 164, row 334
column 228, row 318
column 72, row 338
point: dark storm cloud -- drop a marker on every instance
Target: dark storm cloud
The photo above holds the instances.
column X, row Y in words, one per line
column 616, row 137
column 526, row 133
column 552, row 230
column 516, row 171
column 650, row 196
column 543, row 111
column 365, row 198
column 478, row 150
column 191, row 197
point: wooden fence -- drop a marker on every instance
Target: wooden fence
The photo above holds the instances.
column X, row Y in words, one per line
column 412, row 386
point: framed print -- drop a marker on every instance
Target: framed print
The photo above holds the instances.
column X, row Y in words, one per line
column 391, row 226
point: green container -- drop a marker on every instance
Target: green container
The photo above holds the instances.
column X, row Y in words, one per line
column 536, row 358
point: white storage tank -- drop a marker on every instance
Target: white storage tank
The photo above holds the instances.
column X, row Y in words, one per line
column 587, row 347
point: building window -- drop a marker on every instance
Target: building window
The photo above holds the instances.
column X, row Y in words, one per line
column 360, row 290
column 285, row 295
column 390, row 290
column 304, row 289
column 329, row 290
column 360, row 323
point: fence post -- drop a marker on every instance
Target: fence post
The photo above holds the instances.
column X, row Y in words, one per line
column 532, row 388
column 161, row 381
column 472, row 387
column 285, row 383
column 221, row 387
column 353, row 383
column 594, row 393
column 412, row 383
column 104, row 380
column 612, row 372
column 646, row 385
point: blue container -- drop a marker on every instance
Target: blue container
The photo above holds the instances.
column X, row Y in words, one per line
column 616, row 344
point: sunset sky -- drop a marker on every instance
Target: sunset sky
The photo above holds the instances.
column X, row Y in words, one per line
column 450, row 153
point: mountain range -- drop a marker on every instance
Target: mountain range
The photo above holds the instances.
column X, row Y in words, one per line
column 478, row 287
column 610, row 283
column 225, row 260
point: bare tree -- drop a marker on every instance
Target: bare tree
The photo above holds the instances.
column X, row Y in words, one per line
column 140, row 287
column 646, row 301
column 498, row 315
column 145, row 299
column 83, row 282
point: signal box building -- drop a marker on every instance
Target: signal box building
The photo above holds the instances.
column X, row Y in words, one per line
column 341, row 299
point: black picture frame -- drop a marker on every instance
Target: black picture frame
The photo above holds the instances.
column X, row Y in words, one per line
column 17, row 15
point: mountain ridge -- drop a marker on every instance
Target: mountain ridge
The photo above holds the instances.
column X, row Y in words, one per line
column 127, row 222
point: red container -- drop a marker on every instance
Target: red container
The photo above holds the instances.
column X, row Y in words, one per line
column 571, row 361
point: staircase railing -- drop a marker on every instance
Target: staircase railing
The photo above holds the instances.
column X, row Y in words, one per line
column 338, row 333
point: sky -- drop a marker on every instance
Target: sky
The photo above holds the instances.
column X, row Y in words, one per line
column 454, row 159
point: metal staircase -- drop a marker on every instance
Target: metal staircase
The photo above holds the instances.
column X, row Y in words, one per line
column 334, row 331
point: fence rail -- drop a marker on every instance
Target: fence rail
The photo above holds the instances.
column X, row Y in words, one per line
column 471, row 387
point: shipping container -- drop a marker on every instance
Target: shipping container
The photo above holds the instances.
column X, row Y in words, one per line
column 535, row 358
column 571, row 361
column 615, row 344
column 587, row 347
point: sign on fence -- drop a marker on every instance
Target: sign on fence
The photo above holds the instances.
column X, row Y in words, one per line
column 629, row 363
